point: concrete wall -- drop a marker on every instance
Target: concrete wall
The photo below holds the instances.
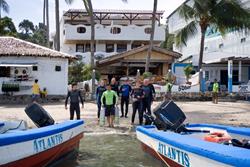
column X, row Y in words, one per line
column 55, row 82
column 130, row 32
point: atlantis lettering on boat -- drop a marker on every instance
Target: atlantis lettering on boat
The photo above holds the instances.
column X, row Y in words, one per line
column 174, row 154
column 47, row 143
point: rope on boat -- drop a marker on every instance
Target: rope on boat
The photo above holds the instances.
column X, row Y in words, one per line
column 159, row 155
column 13, row 128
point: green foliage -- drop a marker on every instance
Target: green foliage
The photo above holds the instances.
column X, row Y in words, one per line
column 34, row 34
column 87, row 73
column 4, row 6
column 7, row 27
column 147, row 74
column 27, row 27
column 79, row 72
column 169, row 42
column 75, row 72
column 188, row 71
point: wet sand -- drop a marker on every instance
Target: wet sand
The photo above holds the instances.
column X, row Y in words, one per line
column 237, row 114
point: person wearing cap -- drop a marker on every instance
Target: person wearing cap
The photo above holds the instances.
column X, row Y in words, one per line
column 125, row 91
column 109, row 101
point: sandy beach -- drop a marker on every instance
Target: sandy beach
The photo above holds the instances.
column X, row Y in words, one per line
column 197, row 112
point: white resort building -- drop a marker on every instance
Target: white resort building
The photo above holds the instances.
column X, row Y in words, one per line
column 225, row 58
column 22, row 62
column 115, row 31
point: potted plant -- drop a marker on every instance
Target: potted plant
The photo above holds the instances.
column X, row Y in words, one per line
column 188, row 70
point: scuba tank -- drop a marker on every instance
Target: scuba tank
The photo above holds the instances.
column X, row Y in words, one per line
column 102, row 117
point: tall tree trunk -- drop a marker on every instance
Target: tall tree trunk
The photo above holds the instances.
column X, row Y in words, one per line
column 57, row 37
column 44, row 7
column 151, row 37
column 203, row 32
column 47, row 22
column 89, row 8
column 0, row 9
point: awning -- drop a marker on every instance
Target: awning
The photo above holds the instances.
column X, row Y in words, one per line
column 17, row 64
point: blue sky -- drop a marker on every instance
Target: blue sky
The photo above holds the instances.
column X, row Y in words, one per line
column 32, row 9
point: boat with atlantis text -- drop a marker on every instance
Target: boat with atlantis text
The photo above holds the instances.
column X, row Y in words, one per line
column 193, row 145
column 20, row 146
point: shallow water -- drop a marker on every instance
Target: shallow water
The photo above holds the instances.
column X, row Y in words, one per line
column 111, row 151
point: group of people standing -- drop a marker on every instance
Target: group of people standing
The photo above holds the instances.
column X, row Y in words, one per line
column 141, row 95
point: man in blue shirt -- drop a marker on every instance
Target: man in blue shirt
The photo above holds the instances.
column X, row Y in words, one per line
column 125, row 91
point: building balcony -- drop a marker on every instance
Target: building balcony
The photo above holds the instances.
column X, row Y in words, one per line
column 112, row 33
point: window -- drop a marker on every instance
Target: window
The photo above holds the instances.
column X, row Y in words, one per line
column 81, row 29
column 4, row 71
column 34, row 68
column 110, row 48
column 242, row 40
column 147, row 30
column 87, row 47
column 135, row 45
column 80, row 48
column 115, row 30
column 121, row 47
column 221, row 45
column 58, row 68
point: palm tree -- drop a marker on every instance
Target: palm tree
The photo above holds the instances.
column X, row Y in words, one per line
column 151, row 42
column 26, row 27
column 57, row 37
column 4, row 6
column 222, row 15
column 7, row 27
column 89, row 8
column 46, row 20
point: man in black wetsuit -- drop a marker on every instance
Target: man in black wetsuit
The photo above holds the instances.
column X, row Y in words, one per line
column 125, row 91
column 114, row 86
column 137, row 96
column 75, row 98
column 99, row 91
column 149, row 94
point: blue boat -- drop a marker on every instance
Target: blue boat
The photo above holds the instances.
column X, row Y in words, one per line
column 20, row 146
column 42, row 146
column 197, row 145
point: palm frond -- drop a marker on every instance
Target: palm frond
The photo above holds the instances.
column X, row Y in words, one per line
column 186, row 12
column 4, row 6
column 185, row 33
column 86, row 4
column 69, row 2
column 231, row 15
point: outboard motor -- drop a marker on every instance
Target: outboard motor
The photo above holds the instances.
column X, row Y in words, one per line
column 38, row 115
column 169, row 116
